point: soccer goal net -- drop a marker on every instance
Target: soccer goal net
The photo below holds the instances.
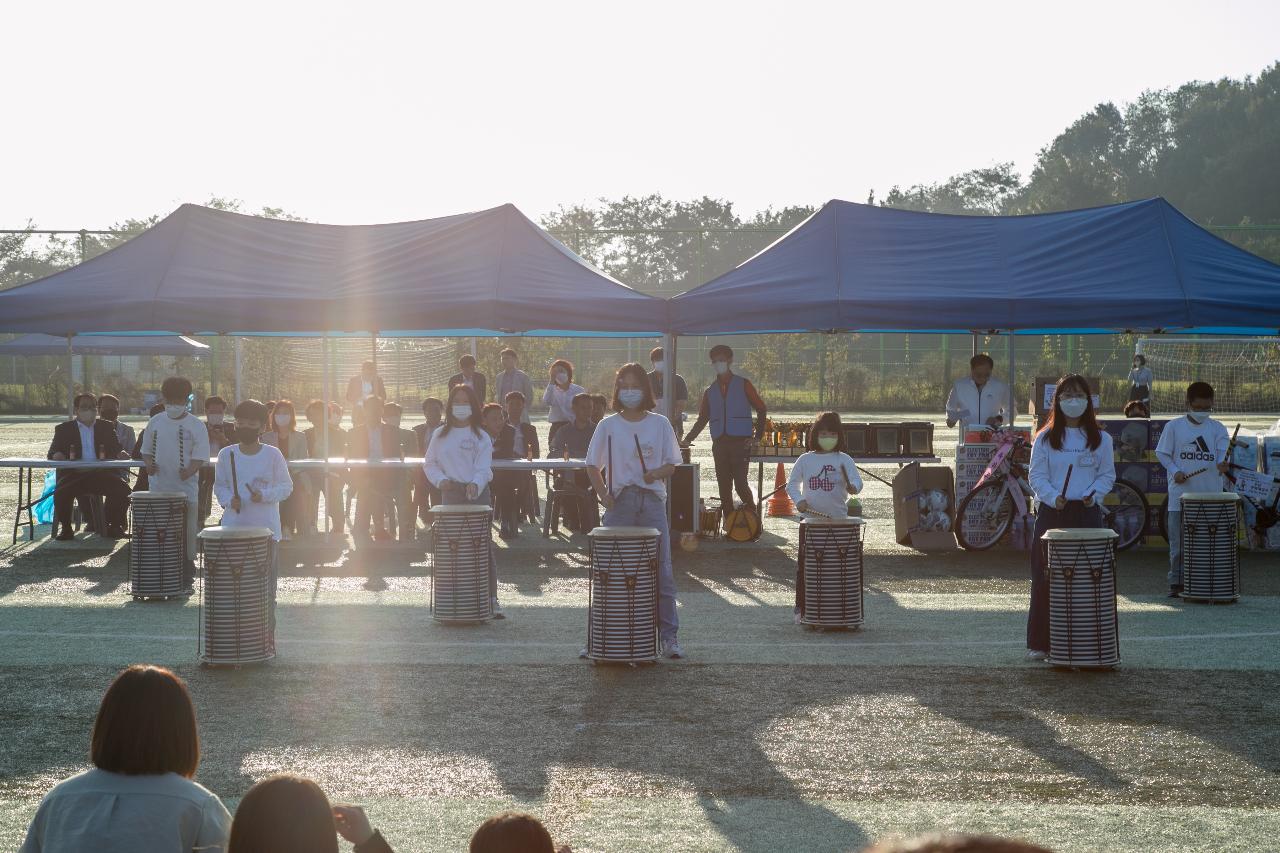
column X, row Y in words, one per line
column 1244, row 372
column 411, row 368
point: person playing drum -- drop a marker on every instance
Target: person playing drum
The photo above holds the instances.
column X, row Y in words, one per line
column 1072, row 469
column 822, row 480
column 175, row 449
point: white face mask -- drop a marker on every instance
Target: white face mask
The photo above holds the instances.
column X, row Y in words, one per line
column 631, row 397
column 1199, row 417
column 175, row 411
column 462, row 413
column 562, row 376
column 657, row 365
column 722, row 367
column 215, row 420
column 1073, row 407
column 283, row 420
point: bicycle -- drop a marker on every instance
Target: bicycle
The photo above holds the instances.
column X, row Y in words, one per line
column 1003, row 494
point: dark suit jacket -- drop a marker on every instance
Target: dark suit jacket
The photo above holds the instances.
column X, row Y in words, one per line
column 66, row 437
column 423, row 432
column 355, row 389
column 396, row 442
column 504, row 445
column 478, row 383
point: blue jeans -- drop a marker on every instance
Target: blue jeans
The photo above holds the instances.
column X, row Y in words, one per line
column 1175, row 547
column 453, row 494
column 637, row 507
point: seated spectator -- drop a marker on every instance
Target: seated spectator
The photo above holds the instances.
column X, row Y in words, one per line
column 221, row 433
column 290, row 814
column 525, row 446
column 86, row 437
column 506, row 484
column 108, row 410
column 571, row 442
column 426, row 495
column 140, row 794
column 513, row 832
column 599, row 407
column 1136, row 409
column 282, row 434
column 330, row 482
column 399, row 504
column 955, row 843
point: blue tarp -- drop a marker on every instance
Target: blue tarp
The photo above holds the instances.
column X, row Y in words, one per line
column 104, row 345
column 1140, row 266
column 203, row 271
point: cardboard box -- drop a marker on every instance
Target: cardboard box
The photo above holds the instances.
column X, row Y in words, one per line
column 1247, row 452
column 1271, row 454
column 975, row 452
column 1131, row 440
column 907, row 486
column 1042, row 395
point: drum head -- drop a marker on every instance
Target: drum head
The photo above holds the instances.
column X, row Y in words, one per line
column 157, row 496
column 623, row 532
column 234, row 533
column 1211, row 497
column 742, row 525
column 1077, row 534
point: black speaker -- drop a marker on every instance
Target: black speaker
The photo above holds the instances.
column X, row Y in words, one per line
column 684, row 499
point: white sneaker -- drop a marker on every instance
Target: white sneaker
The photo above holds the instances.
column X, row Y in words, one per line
column 582, row 653
column 673, row 649
column 1032, row 654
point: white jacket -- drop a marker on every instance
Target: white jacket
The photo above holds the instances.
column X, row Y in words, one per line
column 966, row 406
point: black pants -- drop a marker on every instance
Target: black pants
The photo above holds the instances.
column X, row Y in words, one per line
column 733, row 464
column 1074, row 514
column 73, row 484
column 583, row 514
column 507, row 494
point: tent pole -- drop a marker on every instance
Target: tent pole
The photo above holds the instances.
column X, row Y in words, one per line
column 324, row 429
column 669, row 379
column 1013, row 378
column 213, row 366
column 239, row 368
column 71, row 388
column 26, row 387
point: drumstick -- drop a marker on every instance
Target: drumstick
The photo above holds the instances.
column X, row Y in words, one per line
column 1067, row 481
column 640, row 453
column 235, row 484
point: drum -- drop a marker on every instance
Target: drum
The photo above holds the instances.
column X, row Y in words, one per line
column 830, row 556
column 742, row 525
column 158, row 548
column 622, row 605
column 237, row 619
column 462, row 554
column 1210, row 559
column 1083, row 628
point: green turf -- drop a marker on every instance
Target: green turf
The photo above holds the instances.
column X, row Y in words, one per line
column 769, row 737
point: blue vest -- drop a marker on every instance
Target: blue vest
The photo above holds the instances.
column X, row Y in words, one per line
column 730, row 414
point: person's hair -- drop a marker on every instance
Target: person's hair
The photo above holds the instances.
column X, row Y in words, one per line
column 293, row 413
column 176, row 389
column 515, row 395
column 642, row 377
column 467, row 359
column 584, row 397
column 75, row 404
column 508, row 352
column 492, row 407
column 253, row 410
column 284, row 814
column 720, row 349
column 1140, row 358
column 955, row 843
column 108, row 398
column 1136, row 409
column 655, row 353
column 982, row 358
column 430, row 401
column 367, row 363
column 510, row 832
column 1199, row 391
column 602, row 399
column 828, row 422
column 156, row 408
column 146, row 724
column 313, row 406
column 561, row 362
column 215, row 400
column 392, row 407
column 1056, row 424
column 472, row 400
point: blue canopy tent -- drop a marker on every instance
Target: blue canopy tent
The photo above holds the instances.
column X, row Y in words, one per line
column 1135, row 267
column 104, row 345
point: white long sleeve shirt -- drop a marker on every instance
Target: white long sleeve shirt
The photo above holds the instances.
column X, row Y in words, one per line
column 1187, row 447
column 561, row 401
column 822, row 480
column 1092, row 471
column 174, row 442
column 264, row 472
column 460, row 456
column 967, row 404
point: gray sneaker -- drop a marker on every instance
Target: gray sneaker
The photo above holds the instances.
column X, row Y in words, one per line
column 672, row 649
column 497, row 610
column 1033, row 654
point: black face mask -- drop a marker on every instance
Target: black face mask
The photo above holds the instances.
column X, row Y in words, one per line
column 109, row 414
column 247, row 434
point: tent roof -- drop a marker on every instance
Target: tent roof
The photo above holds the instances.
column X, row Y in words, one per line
column 208, row 271
column 1140, row 266
column 104, row 345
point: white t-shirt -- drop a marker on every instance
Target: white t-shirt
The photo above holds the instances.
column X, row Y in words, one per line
column 267, row 473
column 174, row 442
column 461, row 457
column 1092, row 471
column 1187, row 447
column 818, row 479
column 657, row 444
column 561, row 401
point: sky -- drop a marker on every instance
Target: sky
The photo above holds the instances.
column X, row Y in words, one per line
column 378, row 112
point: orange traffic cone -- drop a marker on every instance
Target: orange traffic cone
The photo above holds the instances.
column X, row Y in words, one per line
column 780, row 504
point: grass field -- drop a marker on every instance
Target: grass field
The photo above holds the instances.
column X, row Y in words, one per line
column 767, row 737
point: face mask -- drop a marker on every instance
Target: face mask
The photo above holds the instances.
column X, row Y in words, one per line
column 1073, row 407
column 88, row 416
column 461, row 413
column 722, row 367
column 631, row 397
column 657, row 365
column 175, row 411
column 216, row 420
column 827, row 442
column 562, row 376
column 109, row 414
column 283, row 420
column 247, row 434
column 1199, row 417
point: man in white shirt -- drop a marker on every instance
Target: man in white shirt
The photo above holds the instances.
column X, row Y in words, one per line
column 1195, row 451
column 979, row 399
column 176, row 446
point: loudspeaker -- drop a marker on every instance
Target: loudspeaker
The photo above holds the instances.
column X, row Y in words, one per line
column 685, row 492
